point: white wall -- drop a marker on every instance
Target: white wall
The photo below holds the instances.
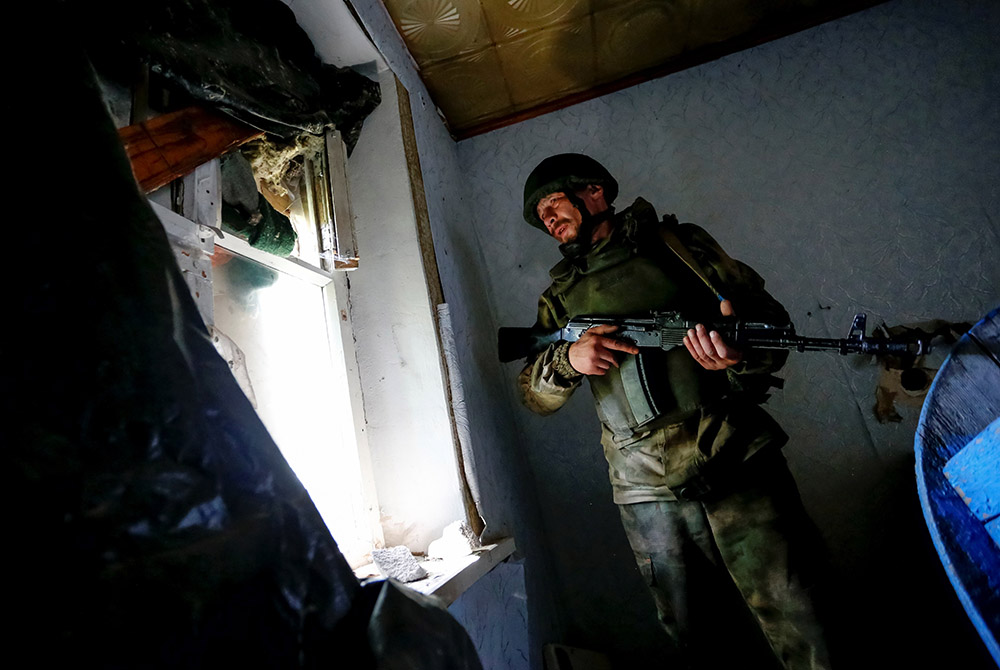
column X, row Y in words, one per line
column 406, row 415
column 335, row 34
column 854, row 165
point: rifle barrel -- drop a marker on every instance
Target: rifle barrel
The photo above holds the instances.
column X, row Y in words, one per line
column 843, row 346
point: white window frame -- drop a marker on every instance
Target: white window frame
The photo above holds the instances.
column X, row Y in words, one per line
column 194, row 240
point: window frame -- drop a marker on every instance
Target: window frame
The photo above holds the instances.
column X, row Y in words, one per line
column 194, row 241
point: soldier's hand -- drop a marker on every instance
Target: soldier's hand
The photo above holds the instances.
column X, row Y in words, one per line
column 594, row 354
column 708, row 347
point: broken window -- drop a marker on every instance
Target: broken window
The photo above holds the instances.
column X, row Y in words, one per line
column 280, row 197
column 280, row 323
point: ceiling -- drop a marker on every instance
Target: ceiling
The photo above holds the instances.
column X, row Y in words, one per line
column 489, row 63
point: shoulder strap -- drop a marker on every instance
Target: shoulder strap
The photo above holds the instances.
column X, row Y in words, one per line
column 674, row 243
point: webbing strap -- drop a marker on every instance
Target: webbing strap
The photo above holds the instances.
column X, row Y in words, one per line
column 675, row 245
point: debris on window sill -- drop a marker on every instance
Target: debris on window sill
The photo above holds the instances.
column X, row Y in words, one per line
column 448, row 578
column 398, row 563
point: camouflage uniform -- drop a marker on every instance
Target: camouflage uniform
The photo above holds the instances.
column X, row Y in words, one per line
column 682, row 475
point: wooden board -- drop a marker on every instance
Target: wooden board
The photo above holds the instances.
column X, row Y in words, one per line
column 172, row 145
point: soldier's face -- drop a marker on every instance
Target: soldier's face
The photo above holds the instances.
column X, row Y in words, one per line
column 562, row 220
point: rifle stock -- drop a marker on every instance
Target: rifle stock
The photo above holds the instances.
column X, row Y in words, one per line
column 517, row 343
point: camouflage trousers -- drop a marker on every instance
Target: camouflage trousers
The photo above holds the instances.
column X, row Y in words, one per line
column 756, row 536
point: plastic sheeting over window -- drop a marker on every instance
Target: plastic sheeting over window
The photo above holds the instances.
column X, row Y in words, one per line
column 247, row 57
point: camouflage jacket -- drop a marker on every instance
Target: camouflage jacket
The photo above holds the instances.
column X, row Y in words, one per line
column 707, row 422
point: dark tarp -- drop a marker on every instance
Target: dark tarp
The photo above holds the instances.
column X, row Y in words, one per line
column 151, row 521
column 249, row 58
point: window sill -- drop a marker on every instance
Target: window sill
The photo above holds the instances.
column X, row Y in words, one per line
column 449, row 578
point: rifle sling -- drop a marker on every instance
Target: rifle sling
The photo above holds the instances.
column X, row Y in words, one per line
column 675, row 245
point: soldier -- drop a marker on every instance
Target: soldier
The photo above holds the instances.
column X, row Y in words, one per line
column 695, row 463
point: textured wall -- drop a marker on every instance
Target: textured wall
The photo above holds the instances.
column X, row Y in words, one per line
column 854, row 165
column 494, row 613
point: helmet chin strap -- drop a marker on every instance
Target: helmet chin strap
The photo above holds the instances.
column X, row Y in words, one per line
column 583, row 242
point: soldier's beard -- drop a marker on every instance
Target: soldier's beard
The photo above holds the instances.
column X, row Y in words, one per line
column 581, row 244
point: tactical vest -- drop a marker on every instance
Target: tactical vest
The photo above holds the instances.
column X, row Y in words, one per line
column 631, row 273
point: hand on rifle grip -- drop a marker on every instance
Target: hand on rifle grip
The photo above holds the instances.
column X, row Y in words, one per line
column 708, row 348
column 594, row 354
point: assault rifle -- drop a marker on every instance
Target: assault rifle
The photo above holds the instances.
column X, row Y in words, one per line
column 666, row 330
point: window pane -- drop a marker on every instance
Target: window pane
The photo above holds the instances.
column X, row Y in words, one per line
column 280, row 323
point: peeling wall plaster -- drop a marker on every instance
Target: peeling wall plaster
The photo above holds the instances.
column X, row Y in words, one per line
column 853, row 165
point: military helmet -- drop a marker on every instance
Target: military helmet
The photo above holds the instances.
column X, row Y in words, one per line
column 564, row 173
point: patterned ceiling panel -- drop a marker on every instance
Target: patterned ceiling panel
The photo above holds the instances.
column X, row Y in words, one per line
column 636, row 36
column 480, row 79
column 488, row 63
column 565, row 49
